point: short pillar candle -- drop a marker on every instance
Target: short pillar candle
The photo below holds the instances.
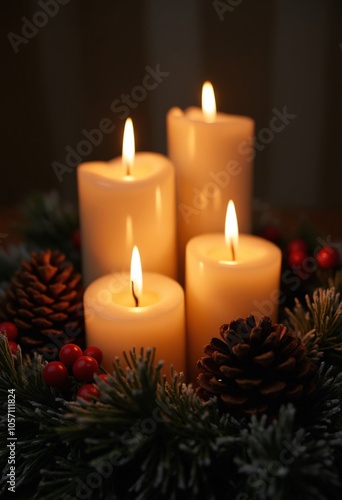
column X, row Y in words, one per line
column 221, row 288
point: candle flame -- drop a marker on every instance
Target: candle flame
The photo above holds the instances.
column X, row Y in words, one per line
column 208, row 102
column 136, row 274
column 231, row 229
column 128, row 146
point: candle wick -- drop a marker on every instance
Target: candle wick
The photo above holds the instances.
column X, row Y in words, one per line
column 128, row 170
column 136, row 300
column 233, row 250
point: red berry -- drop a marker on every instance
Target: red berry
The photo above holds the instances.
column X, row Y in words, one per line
column 69, row 353
column 55, row 374
column 104, row 377
column 295, row 258
column 88, row 390
column 84, row 368
column 297, row 245
column 328, row 257
column 94, row 352
column 9, row 329
column 13, row 346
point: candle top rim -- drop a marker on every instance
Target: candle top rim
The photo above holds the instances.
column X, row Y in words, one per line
column 212, row 241
column 170, row 295
column 150, row 275
column 147, row 166
column 220, row 118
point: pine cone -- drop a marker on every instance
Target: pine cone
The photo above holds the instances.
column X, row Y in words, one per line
column 255, row 368
column 44, row 300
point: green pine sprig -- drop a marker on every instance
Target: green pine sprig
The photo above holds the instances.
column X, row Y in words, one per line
column 147, row 437
column 50, row 223
column 38, row 411
column 319, row 325
column 281, row 462
column 160, row 441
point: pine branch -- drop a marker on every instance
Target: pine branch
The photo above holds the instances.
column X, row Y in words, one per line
column 25, row 376
column 161, row 441
column 49, row 218
column 320, row 325
column 38, row 411
column 323, row 416
column 67, row 477
column 146, row 438
column 51, row 223
column 281, row 462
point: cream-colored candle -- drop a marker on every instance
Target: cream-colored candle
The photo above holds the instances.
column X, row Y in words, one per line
column 213, row 155
column 119, row 316
column 127, row 201
column 226, row 279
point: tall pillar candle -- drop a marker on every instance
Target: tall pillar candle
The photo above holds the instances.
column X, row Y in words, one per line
column 115, row 322
column 220, row 289
column 213, row 157
column 120, row 207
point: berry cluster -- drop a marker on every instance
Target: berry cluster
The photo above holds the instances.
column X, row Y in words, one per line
column 81, row 364
column 72, row 361
column 298, row 257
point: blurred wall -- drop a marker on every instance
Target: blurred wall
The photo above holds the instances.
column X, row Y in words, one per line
column 83, row 65
column 301, row 80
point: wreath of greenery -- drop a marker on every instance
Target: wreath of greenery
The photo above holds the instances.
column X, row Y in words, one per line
column 147, row 438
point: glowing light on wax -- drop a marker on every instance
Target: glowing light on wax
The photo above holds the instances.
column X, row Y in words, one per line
column 157, row 319
column 225, row 281
column 136, row 275
column 128, row 146
column 204, row 142
column 231, row 232
column 208, row 102
column 132, row 195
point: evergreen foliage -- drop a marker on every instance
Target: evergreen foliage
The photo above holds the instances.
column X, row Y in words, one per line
column 319, row 324
column 147, row 438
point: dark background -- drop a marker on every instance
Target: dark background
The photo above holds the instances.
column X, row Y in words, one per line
column 261, row 54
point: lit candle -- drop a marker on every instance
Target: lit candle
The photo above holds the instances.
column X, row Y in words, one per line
column 126, row 310
column 208, row 102
column 227, row 276
column 213, row 155
column 130, row 199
